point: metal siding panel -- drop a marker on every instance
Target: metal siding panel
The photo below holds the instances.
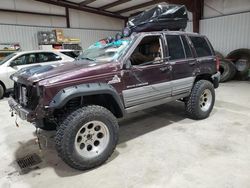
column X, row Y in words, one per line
column 80, row 19
column 227, row 33
column 189, row 27
column 27, row 36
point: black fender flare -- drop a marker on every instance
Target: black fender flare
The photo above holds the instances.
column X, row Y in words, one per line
column 66, row 94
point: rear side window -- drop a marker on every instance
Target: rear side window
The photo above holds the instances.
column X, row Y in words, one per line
column 186, row 47
column 175, row 47
column 70, row 54
column 201, row 46
column 47, row 57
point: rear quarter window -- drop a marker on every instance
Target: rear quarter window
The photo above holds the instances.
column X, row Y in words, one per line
column 201, row 46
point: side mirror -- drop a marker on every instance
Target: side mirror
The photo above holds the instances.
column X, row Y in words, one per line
column 13, row 63
column 128, row 64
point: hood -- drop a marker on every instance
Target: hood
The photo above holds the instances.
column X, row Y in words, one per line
column 57, row 72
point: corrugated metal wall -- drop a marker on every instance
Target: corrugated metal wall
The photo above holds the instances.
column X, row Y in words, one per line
column 27, row 35
column 227, row 33
column 189, row 27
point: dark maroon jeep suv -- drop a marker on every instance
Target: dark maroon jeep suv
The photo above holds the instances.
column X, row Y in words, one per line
column 83, row 99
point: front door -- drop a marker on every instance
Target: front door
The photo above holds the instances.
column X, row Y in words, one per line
column 148, row 77
column 19, row 63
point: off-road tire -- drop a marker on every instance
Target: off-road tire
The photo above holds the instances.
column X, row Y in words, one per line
column 237, row 55
column 225, row 70
column 192, row 105
column 1, row 91
column 233, row 70
column 66, row 135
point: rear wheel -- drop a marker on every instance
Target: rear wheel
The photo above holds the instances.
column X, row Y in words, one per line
column 201, row 100
column 87, row 137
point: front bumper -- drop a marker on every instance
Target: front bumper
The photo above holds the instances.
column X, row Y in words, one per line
column 23, row 113
column 216, row 79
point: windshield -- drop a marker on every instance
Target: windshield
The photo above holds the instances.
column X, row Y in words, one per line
column 105, row 52
column 7, row 58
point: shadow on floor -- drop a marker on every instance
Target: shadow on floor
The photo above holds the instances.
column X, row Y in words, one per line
column 133, row 126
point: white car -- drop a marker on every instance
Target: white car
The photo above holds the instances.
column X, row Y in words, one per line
column 14, row 62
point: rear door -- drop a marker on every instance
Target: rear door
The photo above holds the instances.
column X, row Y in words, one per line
column 183, row 63
column 205, row 56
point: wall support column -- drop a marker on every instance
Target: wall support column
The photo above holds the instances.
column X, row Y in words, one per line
column 67, row 17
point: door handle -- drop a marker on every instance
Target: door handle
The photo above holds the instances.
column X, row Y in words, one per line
column 164, row 69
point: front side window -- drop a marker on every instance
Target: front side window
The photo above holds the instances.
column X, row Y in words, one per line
column 175, row 47
column 201, row 46
column 102, row 52
column 24, row 60
column 47, row 57
column 149, row 51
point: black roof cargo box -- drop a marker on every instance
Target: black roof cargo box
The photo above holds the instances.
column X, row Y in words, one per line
column 161, row 17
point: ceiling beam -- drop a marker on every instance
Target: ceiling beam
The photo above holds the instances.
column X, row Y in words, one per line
column 188, row 3
column 116, row 3
column 76, row 6
column 197, row 14
column 28, row 12
column 67, row 17
column 86, row 2
column 153, row 2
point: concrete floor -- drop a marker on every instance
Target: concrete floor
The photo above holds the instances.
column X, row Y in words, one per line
column 158, row 147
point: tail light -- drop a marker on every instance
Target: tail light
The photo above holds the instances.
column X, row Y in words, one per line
column 217, row 63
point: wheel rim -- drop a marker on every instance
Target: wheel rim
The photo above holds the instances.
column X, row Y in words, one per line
column 206, row 100
column 241, row 64
column 92, row 139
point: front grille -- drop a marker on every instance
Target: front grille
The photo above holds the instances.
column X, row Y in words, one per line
column 26, row 95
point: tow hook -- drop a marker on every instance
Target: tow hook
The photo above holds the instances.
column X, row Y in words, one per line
column 38, row 139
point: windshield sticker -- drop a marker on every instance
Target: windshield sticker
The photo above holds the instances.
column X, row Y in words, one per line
column 115, row 80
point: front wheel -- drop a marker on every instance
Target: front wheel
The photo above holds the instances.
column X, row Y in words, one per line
column 1, row 91
column 201, row 100
column 87, row 137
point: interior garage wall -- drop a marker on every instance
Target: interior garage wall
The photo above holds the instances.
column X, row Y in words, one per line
column 227, row 24
column 189, row 27
column 31, row 19
column 23, row 27
column 227, row 33
column 215, row 8
column 80, row 19
column 27, row 35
